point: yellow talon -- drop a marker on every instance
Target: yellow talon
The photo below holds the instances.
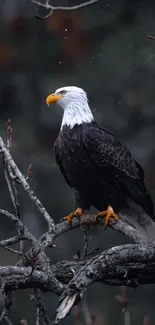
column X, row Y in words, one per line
column 77, row 213
column 109, row 213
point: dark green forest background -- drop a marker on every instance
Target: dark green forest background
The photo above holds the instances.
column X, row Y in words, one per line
column 103, row 48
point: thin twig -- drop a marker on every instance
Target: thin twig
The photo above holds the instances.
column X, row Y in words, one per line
column 27, row 235
column 29, row 172
column 9, row 185
column 48, row 6
column 44, row 17
column 7, row 307
column 41, row 310
column 9, row 133
column 9, row 215
column 10, row 241
column 21, row 229
column 12, row 176
column 12, row 189
column 51, row 8
column 85, row 243
column 26, row 186
column 8, row 320
column 151, row 37
column 13, row 250
column 38, row 320
column 14, row 197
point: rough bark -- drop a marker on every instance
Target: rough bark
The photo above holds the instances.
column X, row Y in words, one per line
column 129, row 265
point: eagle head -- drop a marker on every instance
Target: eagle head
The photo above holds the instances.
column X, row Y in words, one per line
column 67, row 95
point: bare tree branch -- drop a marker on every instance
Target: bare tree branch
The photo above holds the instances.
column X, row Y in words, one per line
column 47, row 239
column 121, row 265
column 52, row 8
column 108, row 262
column 11, row 241
column 13, row 251
column 15, row 277
column 128, row 265
column 7, row 307
column 27, row 235
column 26, row 186
column 85, row 251
column 88, row 219
column 41, row 310
column 14, row 197
column 46, row 5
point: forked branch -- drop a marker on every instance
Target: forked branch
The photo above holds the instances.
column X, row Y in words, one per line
column 128, row 265
column 46, row 5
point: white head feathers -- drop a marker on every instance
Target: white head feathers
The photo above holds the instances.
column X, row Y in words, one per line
column 74, row 102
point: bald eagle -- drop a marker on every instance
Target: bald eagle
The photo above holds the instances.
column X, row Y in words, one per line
column 98, row 166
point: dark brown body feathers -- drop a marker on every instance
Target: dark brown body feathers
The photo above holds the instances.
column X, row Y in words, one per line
column 100, row 169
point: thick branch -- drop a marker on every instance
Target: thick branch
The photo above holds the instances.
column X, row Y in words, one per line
column 88, row 219
column 118, row 265
column 15, row 277
column 47, row 239
column 112, row 264
column 129, row 264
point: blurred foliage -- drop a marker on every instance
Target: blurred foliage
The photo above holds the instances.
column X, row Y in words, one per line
column 104, row 49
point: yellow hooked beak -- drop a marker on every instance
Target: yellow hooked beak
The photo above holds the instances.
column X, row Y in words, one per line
column 53, row 98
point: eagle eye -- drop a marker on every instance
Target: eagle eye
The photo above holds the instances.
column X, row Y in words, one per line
column 62, row 92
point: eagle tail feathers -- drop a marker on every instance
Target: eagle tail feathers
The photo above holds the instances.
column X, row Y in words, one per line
column 150, row 228
column 138, row 218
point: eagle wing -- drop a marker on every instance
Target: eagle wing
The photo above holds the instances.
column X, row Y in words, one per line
column 58, row 161
column 117, row 165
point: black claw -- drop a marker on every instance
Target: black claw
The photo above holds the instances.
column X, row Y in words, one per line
column 62, row 219
column 98, row 217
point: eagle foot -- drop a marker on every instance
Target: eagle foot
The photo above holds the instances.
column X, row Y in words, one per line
column 77, row 213
column 109, row 213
